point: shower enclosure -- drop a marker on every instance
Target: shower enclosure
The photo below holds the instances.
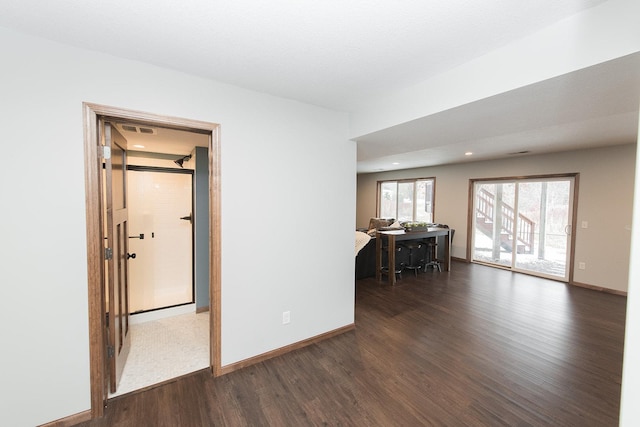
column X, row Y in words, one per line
column 161, row 236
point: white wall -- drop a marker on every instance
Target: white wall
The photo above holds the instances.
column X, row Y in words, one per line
column 629, row 408
column 601, row 33
column 288, row 185
column 605, row 200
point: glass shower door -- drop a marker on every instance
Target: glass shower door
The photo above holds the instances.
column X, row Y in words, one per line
column 162, row 273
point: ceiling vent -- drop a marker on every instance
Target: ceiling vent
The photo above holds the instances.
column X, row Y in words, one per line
column 140, row 129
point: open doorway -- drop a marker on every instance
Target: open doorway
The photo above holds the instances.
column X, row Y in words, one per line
column 166, row 173
column 95, row 154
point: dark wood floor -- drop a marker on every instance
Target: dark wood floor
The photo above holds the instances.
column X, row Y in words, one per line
column 474, row 347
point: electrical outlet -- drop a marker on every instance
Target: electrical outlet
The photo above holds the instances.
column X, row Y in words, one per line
column 286, row 317
column 582, row 265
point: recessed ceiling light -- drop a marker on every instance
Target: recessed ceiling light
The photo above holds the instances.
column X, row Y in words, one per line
column 138, row 146
column 468, row 153
column 395, row 163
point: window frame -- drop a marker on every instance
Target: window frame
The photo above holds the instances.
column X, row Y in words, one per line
column 404, row 181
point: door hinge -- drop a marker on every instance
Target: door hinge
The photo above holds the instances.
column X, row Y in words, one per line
column 105, row 152
column 111, row 351
column 108, row 254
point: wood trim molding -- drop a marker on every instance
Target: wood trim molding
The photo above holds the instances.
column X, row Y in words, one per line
column 286, row 349
column 95, row 265
column 150, row 119
column 599, row 289
column 215, row 251
column 69, row 421
column 574, row 225
column 470, row 218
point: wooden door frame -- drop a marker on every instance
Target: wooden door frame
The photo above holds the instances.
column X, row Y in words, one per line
column 95, row 245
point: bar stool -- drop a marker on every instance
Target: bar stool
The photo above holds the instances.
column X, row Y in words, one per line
column 432, row 250
column 417, row 256
column 402, row 259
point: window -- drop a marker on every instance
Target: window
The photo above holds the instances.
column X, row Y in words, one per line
column 407, row 200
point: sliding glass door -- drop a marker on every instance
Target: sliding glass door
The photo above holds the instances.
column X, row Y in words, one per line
column 493, row 240
column 524, row 224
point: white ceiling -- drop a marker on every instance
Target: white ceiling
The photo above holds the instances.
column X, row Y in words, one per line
column 338, row 53
column 162, row 140
column 592, row 107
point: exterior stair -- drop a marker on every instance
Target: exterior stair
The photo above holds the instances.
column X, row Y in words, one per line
column 485, row 206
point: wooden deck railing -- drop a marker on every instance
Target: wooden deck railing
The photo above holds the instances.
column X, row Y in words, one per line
column 485, row 205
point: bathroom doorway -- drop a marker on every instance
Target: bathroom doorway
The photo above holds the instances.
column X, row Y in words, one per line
column 95, row 155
